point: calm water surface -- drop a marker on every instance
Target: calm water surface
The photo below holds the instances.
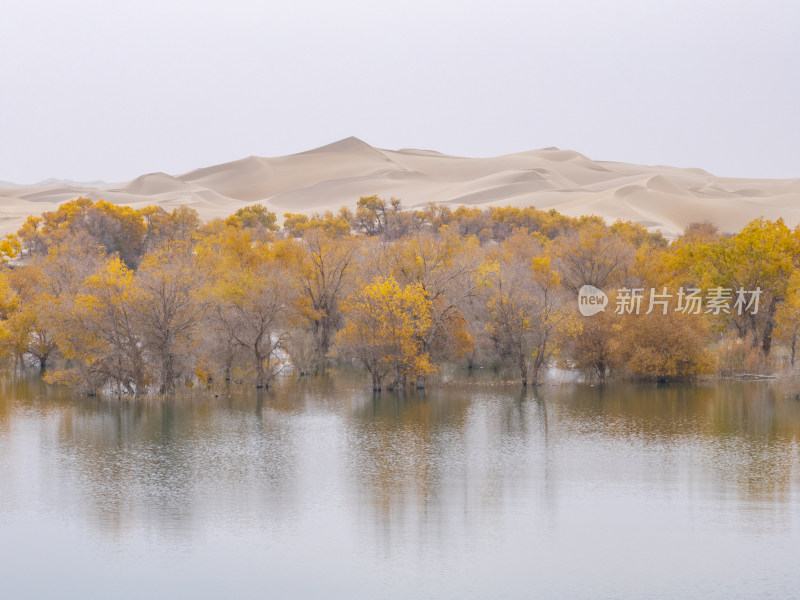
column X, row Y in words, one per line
column 319, row 491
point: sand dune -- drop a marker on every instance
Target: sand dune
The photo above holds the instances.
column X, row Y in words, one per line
column 660, row 197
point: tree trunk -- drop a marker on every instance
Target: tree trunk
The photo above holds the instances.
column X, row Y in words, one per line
column 168, row 376
column 322, row 342
column 766, row 342
column 523, row 367
column 376, row 382
column 600, row 368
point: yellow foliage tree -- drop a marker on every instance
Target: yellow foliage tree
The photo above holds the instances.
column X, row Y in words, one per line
column 116, row 228
column 27, row 330
column 334, row 225
column 527, row 316
column 322, row 266
column 98, row 332
column 162, row 227
column 9, row 303
column 30, row 235
column 443, row 265
column 384, row 332
column 763, row 257
column 168, row 311
column 592, row 255
column 787, row 317
column 40, row 288
column 10, row 247
column 662, row 347
column 253, row 293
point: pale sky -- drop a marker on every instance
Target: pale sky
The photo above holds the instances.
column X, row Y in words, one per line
column 101, row 89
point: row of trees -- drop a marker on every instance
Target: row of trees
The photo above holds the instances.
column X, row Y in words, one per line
column 135, row 301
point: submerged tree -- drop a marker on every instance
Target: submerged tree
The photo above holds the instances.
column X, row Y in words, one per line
column 526, row 311
column 99, row 333
column 253, row 296
column 168, row 311
column 27, row 328
column 384, row 332
column 43, row 291
column 135, row 300
column 443, row 265
column 323, row 268
column 592, row 344
column 661, row 347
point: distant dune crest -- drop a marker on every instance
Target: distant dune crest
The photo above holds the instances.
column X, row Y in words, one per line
column 663, row 198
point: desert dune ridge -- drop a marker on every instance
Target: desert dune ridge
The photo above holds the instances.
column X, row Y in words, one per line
column 661, row 198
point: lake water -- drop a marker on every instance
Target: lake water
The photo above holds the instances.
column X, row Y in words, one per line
column 322, row 490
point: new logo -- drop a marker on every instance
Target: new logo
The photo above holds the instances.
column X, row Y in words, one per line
column 591, row 300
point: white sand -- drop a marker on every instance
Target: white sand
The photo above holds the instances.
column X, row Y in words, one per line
column 662, row 198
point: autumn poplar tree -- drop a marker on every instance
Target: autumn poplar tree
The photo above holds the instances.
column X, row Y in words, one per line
column 526, row 312
column 100, row 334
column 762, row 257
column 44, row 291
column 322, row 267
column 787, row 317
column 663, row 347
column 592, row 255
column 10, row 247
column 443, row 265
column 253, row 292
column 384, row 331
column 168, row 311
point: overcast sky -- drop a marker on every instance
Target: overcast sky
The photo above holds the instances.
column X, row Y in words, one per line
column 111, row 90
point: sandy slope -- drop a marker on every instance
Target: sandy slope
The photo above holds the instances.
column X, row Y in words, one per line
column 664, row 198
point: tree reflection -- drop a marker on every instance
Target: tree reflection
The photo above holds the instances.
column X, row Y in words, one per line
column 415, row 467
